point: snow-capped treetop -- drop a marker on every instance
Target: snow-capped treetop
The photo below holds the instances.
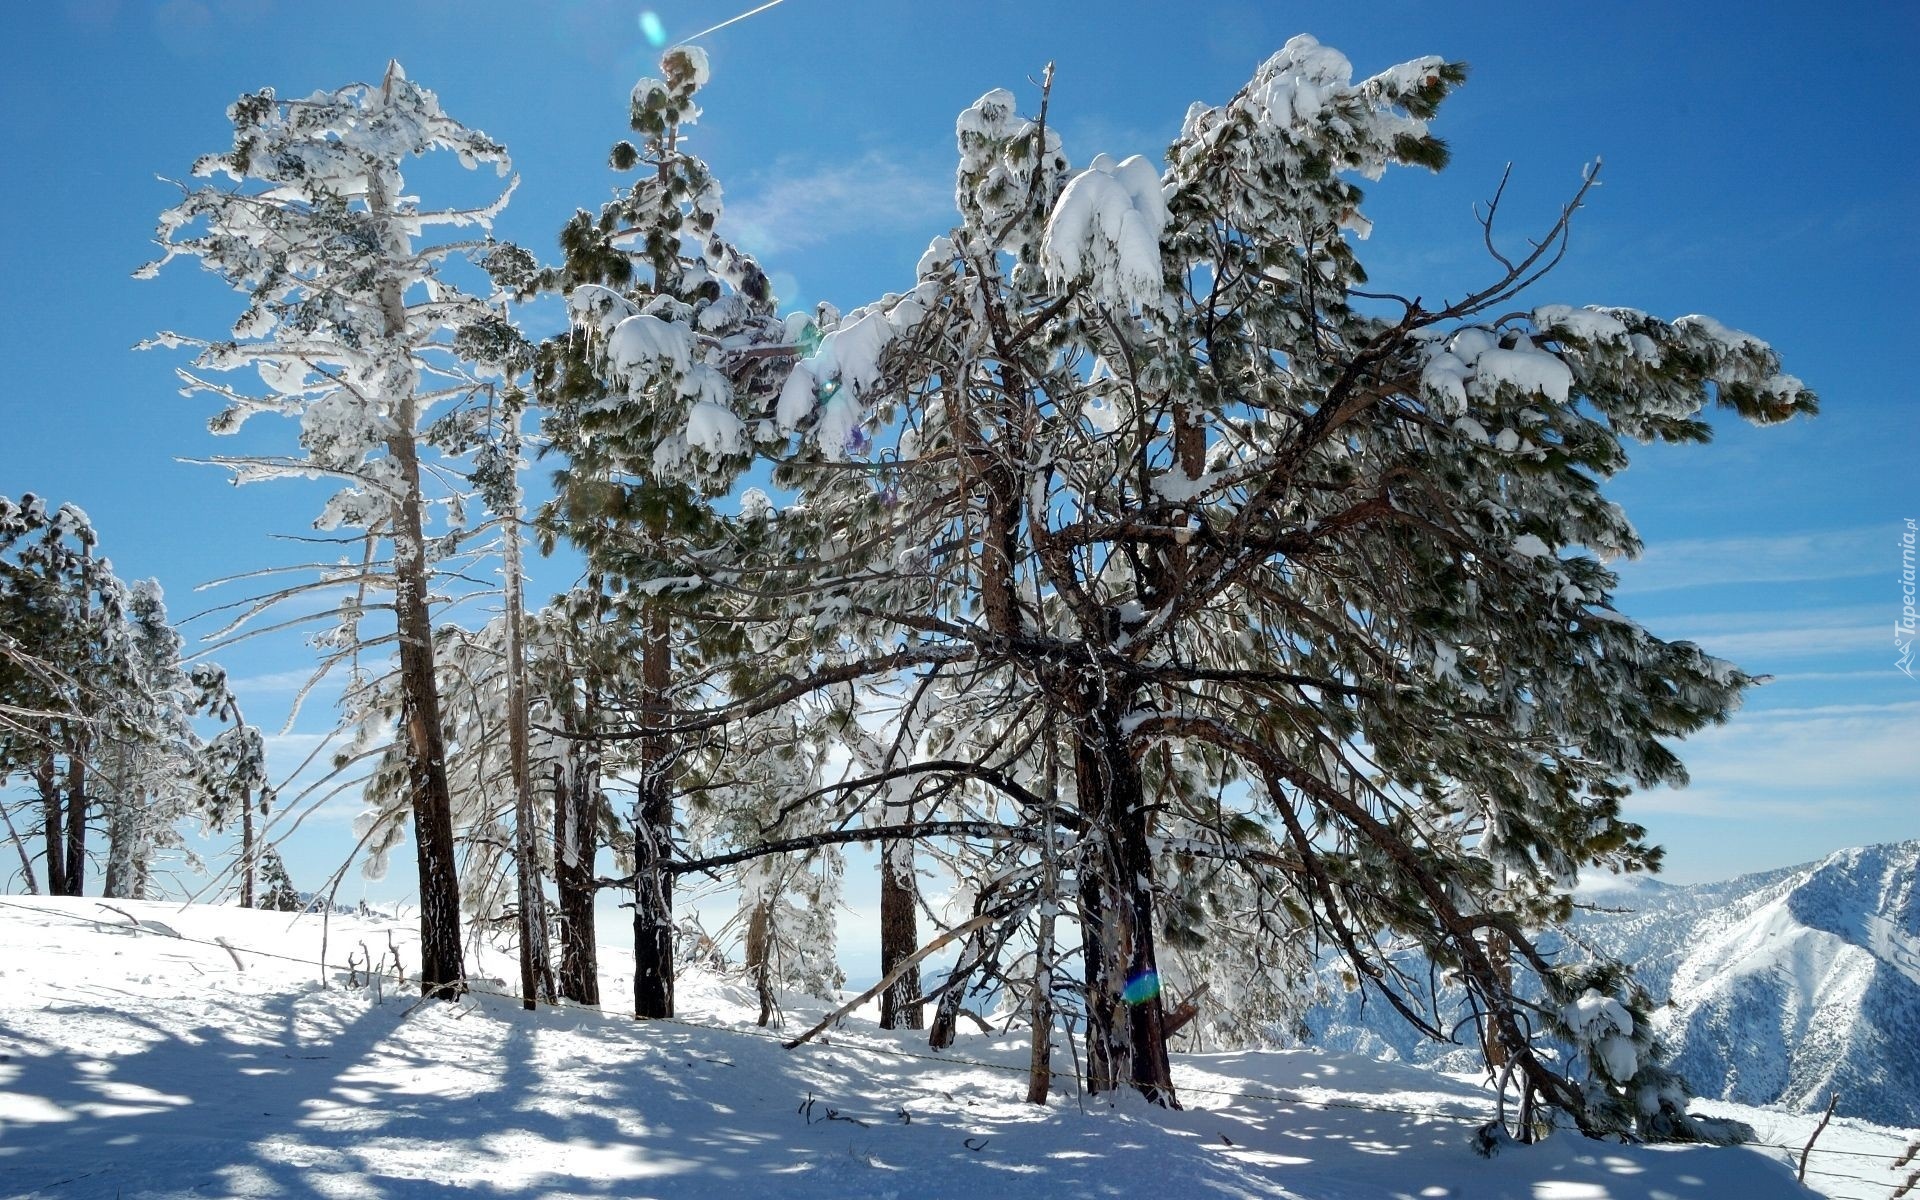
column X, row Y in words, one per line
column 683, row 355
column 354, row 331
column 345, row 143
column 997, row 186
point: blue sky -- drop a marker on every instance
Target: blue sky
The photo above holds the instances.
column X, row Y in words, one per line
column 1752, row 172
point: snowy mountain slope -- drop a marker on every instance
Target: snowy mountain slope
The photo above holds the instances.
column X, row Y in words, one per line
column 1784, row 985
column 138, row 1063
column 1805, row 986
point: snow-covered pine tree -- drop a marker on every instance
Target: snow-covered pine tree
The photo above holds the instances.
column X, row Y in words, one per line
column 280, row 895
column 1338, row 550
column 95, row 678
column 69, row 674
column 232, row 777
column 657, row 401
column 147, row 757
column 496, row 474
column 569, row 644
column 355, row 331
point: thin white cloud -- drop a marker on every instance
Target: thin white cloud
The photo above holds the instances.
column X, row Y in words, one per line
column 287, row 751
column 1789, row 558
column 1825, row 676
column 1799, row 763
column 799, row 205
column 277, row 682
column 1744, row 806
column 1891, row 711
column 1757, row 640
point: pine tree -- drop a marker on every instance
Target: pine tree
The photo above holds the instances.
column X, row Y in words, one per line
column 657, row 401
column 96, row 704
column 232, row 772
column 281, row 895
column 1307, row 590
column 72, row 678
column 357, row 333
column 148, row 756
column 497, row 473
column 569, row 644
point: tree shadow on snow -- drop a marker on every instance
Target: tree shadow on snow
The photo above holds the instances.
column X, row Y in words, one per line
column 319, row 1094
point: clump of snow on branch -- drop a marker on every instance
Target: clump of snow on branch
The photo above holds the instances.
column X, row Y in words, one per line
column 834, row 386
column 1605, row 1024
column 1105, row 232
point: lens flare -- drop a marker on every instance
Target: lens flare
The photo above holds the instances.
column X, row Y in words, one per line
column 1142, row 987
column 787, row 287
column 652, row 29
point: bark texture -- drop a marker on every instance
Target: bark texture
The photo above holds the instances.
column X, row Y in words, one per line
column 653, row 843
column 1126, row 1034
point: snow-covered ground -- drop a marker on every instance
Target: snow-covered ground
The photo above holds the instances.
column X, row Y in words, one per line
column 142, row 1060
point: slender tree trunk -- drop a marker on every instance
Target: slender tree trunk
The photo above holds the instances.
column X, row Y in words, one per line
column 536, row 965
column 899, row 883
column 1040, row 1061
column 442, row 970
column 1126, row 1037
column 78, row 748
column 946, row 1014
column 117, row 882
column 26, row 860
column 574, row 833
column 1499, row 954
column 653, row 841
column 123, row 832
column 52, row 824
column 248, row 868
column 760, row 955
column 899, row 931
column 142, row 867
column 1040, row 1010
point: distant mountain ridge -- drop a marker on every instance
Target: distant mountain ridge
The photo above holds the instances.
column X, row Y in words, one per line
column 1784, row 985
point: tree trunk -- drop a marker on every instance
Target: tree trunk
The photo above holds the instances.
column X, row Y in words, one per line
column 52, row 825
column 946, row 1014
column 120, row 881
column 1040, row 1061
column 899, row 933
column 117, row 882
column 760, row 956
column 1126, row 1037
column 442, row 970
column 899, row 884
column 77, row 750
column 248, row 869
column 26, row 860
column 1500, row 956
column 536, row 965
column 574, row 834
column 653, row 842
column 142, row 868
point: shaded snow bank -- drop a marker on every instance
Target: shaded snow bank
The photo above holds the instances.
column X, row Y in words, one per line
column 135, row 1063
